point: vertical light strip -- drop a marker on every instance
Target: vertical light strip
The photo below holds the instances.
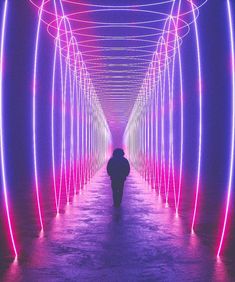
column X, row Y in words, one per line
column 181, row 108
column 3, row 31
column 34, row 115
column 57, row 45
column 52, row 127
column 231, row 170
column 177, row 51
column 171, row 98
column 57, row 41
column 157, row 138
column 200, row 115
column 64, row 159
column 181, row 125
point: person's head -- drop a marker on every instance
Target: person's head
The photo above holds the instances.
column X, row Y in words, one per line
column 118, row 153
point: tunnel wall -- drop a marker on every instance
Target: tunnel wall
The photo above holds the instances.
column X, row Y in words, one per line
column 201, row 193
column 21, row 29
column 54, row 136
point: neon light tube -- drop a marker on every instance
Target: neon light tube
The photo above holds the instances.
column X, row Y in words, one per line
column 34, row 115
column 231, row 170
column 200, row 117
column 3, row 169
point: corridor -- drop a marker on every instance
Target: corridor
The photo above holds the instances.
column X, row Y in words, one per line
column 140, row 241
column 151, row 79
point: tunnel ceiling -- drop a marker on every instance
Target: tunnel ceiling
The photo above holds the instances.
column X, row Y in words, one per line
column 117, row 44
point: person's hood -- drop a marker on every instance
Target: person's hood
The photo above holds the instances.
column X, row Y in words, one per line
column 118, row 153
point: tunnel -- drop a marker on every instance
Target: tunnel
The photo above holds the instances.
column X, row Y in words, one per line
column 81, row 78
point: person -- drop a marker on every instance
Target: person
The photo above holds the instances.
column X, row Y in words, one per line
column 118, row 169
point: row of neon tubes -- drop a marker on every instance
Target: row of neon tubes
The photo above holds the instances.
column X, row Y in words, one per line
column 145, row 136
column 84, row 134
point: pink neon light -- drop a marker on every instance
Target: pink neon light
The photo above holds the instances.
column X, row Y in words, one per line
column 168, row 45
column 6, row 200
column 157, row 155
column 57, row 43
column 82, row 84
column 181, row 118
column 34, row 115
column 167, row 49
column 73, row 75
column 171, row 131
column 200, row 117
column 52, row 129
column 177, row 47
column 231, row 170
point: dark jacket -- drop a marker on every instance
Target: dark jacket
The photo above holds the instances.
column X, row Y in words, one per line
column 118, row 168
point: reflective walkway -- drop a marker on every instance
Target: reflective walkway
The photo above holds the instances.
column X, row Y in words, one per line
column 141, row 241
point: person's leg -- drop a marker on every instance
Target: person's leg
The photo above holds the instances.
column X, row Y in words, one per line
column 115, row 193
column 120, row 192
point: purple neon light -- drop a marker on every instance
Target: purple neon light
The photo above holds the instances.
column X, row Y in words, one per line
column 231, row 169
column 76, row 85
column 34, row 115
column 168, row 46
column 181, row 116
column 200, row 116
column 75, row 89
column 3, row 169
column 177, row 48
column 52, row 129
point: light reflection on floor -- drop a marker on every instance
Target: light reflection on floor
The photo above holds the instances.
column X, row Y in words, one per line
column 141, row 241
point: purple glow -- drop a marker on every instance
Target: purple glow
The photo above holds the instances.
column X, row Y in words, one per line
column 6, row 200
column 94, row 96
column 200, row 116
column 76, row 90
column 231, row 169
column 168, row 46
column 34, row 114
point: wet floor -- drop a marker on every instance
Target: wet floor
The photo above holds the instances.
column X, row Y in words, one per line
column 140, row 241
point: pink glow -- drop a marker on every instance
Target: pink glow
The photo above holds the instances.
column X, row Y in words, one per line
column 52, row 129
column 200, row 116
column 6, row 200
column 168, row 46
column 34, row 115
column 181, row 124
column 76, row 91
column 231, row 170
column 177, row 48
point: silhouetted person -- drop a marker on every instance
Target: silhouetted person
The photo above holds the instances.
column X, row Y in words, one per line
column 118, row 169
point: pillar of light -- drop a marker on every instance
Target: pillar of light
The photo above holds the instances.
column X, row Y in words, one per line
column 231, row 165
column 76, row 91
column 181, row 113
column 200, row 115
column 52, row 128
column 3, row 169
column 168, row 51
column 57, row 47
column 176, row 51
column 34, row 115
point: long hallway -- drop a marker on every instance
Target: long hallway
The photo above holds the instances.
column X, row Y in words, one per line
column 83, row 79
column 141, row 241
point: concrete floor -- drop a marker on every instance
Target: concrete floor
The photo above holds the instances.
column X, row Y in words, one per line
column 141, row 241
